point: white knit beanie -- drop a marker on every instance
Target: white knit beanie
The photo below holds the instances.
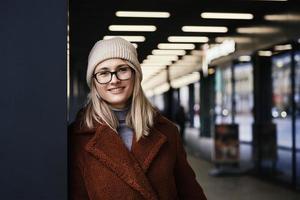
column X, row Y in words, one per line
column 116, row 47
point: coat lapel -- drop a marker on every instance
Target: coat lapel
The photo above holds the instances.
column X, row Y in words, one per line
column 146, row 149
column 110, row 150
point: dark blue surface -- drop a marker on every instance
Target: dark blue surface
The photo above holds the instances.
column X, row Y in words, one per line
column 33, row 144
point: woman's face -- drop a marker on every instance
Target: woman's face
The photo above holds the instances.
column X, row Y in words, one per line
column 116, row 92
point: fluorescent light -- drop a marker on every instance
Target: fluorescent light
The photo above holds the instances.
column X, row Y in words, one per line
column 168, row 52
column 135, row 45
column 257, row 30
column 185, row 80
column 273, row 0
column 175, row 46
column 142, row 14
column 162, row 57
column 236, row 39
column 187, row 39
column 219, row 15
column 283, row 17
column 149, row 65
column 161, row 88
column 299, row 40
column 283, row 47
column 157, row 62
column 140, row 28
column 197, row 52
column 191, row 58
column 128, row 38
column 265, row 53
column 245, row 58
column 207, row 29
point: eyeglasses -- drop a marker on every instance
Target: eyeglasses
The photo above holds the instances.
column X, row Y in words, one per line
column 123, row 73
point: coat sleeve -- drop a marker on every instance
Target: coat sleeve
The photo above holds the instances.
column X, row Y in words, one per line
column 186, row 183
column 77, row 189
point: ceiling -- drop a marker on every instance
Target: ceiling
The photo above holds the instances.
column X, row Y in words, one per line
column 89, row 22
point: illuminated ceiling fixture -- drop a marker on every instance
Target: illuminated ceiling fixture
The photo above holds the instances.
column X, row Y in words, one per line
column 273, row 0
column 139, row 28
column 149, row 65
column 257, row 30
column 157, row 62
column 265, row 53
column 168, row 52
column 245, row 58
column 197, row 52
column 185, row 80
column 188, row 39
column 220, row 15
column 162, row 57
column 143, row 14
column 236, row 39
column 205, row 29
column 135, row 45
column 175, row 46
column 128, row 38
column 283, row 17
column 283, row 47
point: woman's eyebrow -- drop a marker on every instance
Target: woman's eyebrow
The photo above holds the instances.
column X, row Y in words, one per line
column 108, row 69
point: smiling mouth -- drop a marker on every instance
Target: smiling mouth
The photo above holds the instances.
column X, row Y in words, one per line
column 116, row 90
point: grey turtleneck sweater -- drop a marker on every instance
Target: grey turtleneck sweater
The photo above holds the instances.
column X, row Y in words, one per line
column 124, row 131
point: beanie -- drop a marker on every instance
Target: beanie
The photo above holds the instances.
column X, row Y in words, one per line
column 115, row 47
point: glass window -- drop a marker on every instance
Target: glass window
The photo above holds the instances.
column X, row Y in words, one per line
column 244, row 100
column 223, row 88
column 297, row 100
column 197, row 105
column 281, row 110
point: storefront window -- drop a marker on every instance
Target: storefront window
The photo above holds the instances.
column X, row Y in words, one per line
column 297, row 100
column 244, row 100
column 281, row 110
column 223, row 90
column 197, row 105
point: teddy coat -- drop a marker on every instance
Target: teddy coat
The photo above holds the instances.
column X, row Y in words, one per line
column 156, row 168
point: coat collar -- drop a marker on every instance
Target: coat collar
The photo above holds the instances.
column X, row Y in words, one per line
column 131, row 167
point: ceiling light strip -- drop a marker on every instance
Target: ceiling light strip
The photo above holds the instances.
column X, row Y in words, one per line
column 175, row 46
column 205, row 29
column 127, row 37
column 201, row 39
column 138, row 28
column 221, row 15
column 168, row 52
column 143, row 14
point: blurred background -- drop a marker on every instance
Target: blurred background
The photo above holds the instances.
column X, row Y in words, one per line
column 226, row 72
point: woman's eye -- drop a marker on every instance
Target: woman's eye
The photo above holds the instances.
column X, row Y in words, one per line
column 104, row 73
column 123, row 69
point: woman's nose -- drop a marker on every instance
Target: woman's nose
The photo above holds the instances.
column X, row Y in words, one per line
column 114, row 79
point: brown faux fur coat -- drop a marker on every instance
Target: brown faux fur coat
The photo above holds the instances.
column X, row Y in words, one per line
column 102, row 168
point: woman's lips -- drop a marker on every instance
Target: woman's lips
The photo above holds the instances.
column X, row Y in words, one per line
column 116, row 90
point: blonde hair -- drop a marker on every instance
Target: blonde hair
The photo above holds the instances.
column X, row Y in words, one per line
column 140, row 117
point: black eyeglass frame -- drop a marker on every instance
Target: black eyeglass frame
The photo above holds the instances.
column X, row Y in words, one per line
column 114, row 73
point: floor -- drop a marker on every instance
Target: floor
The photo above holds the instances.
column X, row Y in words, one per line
column 237, row 186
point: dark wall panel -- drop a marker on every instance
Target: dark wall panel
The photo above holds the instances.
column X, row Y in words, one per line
column 33, row 144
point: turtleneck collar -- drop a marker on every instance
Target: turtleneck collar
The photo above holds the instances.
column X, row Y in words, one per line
column 120, row 112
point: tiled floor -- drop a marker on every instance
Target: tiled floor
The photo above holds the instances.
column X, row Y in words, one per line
column 231, row 187
column 237, row 187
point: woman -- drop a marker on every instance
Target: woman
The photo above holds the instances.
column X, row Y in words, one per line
column 120, row 146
